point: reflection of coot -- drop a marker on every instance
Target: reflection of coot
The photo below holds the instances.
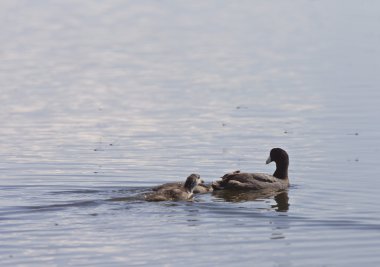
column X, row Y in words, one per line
column 257, row 181
column 282, row 201
column 281, row 197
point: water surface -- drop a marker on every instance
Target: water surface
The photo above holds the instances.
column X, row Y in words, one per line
column 102, row 100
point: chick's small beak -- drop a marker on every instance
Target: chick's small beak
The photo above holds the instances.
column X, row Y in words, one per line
column 269, row 160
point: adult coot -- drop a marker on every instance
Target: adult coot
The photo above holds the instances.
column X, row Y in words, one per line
column 257, row 181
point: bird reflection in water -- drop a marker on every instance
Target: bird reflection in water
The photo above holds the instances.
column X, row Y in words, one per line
column 281, row 197
column 282, row 202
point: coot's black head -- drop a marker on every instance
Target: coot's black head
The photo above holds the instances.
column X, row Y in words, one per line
column 281, row 158
column 192, row 181
column 278, row 155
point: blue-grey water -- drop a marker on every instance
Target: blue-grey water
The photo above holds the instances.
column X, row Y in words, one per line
column 101, row 100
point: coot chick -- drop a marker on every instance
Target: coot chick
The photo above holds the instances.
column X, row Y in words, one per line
column 175, row 193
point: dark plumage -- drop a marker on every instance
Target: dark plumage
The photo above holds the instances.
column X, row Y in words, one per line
column 258, row 181
column 175, row 191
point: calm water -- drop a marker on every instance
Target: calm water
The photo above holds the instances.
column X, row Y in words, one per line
column 101, row 100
